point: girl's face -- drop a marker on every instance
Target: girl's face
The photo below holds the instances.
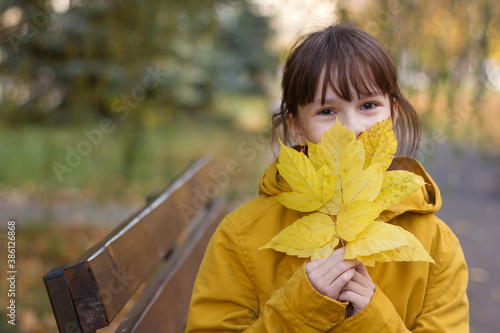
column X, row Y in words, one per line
column 358, row 115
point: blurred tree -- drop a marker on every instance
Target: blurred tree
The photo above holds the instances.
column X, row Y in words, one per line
column 243, row 60
column 71, row 61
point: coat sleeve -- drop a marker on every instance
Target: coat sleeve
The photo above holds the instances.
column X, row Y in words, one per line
column 225, row 297
column 445, row 308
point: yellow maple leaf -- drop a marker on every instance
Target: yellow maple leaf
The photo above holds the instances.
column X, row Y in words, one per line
column 366, row 186
column 341, row 152
column 320, row 156
column 317, row 154
column 354, row 217
column 299, row 172
column 299, row 201
column 396, row 186
column 313, row 200
column 377, row 237
column 412, row 251
column 310, row 236
column 344, row 184
column 325, row 251
column 380, row 144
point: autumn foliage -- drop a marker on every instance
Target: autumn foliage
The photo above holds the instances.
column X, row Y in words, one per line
column 343, row 184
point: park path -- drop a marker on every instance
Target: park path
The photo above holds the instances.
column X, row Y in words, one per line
column 25, row 209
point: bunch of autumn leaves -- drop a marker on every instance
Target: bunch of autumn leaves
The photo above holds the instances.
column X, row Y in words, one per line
column 344, row 185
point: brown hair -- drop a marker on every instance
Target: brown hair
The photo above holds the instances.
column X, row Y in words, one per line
column 350, row 58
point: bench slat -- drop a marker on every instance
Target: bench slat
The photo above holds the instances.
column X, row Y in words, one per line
column 154, row 311
column 56, row 284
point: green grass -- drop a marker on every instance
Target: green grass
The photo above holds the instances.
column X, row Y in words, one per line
column 164, row 148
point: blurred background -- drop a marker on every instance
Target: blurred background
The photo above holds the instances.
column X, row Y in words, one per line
column 104, row 102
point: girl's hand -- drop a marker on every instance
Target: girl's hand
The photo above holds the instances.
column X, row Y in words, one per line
column 330, row 275
column 358, row 290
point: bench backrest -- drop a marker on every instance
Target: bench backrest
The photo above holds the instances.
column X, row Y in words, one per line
column 173, row 230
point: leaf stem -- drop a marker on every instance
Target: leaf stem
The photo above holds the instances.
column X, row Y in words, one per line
column 335, row 224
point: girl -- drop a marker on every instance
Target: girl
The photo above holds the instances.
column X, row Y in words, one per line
column 336, row 73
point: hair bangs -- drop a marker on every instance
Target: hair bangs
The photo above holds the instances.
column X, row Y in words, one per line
column 300, row 79
column 351, row 71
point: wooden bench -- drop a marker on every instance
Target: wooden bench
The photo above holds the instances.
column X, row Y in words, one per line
column 167, row 238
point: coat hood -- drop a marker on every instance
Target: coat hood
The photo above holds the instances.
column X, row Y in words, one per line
column 426, row 200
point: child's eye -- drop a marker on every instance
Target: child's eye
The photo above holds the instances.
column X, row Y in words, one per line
column 326, row 112
column 368, row 106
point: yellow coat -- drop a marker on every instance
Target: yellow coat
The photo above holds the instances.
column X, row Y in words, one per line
column 240, row 288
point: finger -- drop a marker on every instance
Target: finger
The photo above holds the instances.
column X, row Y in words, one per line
column 345, row 296
column 363, row 280
column 340, row 282
column 355, row 287
column 354, row 298
column 362, row 269
column 357, row 294
column 329, row 271
column 350, row 289
column 323, row 265
column 318, row 262
column 331, row 284
column 358, row 299
column 336, row 271
column 336, row 255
